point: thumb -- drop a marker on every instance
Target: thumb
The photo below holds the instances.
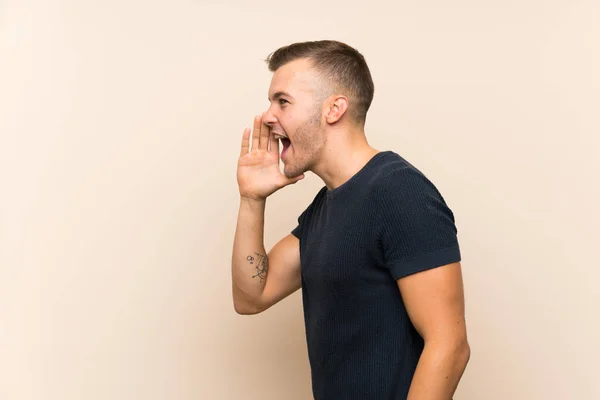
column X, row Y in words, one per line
column 289, row 181
column 296, row 179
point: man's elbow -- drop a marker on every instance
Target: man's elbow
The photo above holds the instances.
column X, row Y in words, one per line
column 456, row 350
column 246, row 308
column 459, row 350
column 462, row 352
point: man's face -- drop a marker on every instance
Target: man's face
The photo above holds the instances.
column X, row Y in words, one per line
column 295, row 114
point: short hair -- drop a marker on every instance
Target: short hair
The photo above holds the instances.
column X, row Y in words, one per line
column 338, row 62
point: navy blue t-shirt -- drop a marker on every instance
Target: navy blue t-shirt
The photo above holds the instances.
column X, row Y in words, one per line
column 386, row 222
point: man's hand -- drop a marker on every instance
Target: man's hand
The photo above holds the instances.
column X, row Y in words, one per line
column 258, row 172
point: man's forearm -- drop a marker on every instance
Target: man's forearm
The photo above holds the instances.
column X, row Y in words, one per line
column 439, row 370
column 249, row 258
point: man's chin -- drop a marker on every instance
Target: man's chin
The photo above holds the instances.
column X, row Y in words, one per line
column 288, row 174
column 291, row 172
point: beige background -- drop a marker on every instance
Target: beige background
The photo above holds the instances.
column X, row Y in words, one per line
column 120, row 125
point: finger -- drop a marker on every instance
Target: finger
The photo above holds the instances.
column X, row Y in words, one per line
column 256, row 132
column 264, row 135
column 245, row 141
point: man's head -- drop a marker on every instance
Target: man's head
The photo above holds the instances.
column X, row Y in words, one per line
column 315, row 86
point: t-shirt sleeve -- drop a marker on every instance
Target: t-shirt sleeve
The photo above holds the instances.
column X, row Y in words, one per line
column 417, row 228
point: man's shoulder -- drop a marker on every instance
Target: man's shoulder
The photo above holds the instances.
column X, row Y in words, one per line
column 401, row 185
column 394, row 172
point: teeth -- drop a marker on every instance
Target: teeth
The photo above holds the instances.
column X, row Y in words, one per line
column 277, row 136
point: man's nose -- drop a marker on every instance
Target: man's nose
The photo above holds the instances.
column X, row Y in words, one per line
column 268, row 118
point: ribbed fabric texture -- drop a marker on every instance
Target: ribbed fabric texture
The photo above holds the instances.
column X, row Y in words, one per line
column 386, row 222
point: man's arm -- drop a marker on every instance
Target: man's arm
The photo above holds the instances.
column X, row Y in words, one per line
column 261, row 279
column 434, row 300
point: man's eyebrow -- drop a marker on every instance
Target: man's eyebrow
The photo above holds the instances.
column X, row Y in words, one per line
column 280, row 94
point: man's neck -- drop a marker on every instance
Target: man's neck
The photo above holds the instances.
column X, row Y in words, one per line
column 342, row 159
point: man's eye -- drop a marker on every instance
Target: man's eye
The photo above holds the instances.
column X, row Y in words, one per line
column 283, row 101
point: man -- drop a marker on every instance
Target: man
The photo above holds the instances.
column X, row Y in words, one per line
column 375, row 253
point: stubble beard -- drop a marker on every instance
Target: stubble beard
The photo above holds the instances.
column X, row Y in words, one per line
column 308, row 141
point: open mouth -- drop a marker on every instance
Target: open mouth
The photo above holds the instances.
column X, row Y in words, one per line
column 285, row 143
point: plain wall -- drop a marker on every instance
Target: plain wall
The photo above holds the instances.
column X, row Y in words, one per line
column 120, row 127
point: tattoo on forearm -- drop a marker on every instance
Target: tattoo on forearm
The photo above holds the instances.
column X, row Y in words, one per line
column 261, row 264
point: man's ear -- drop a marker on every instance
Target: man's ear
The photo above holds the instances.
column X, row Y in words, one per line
column 338, row 106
